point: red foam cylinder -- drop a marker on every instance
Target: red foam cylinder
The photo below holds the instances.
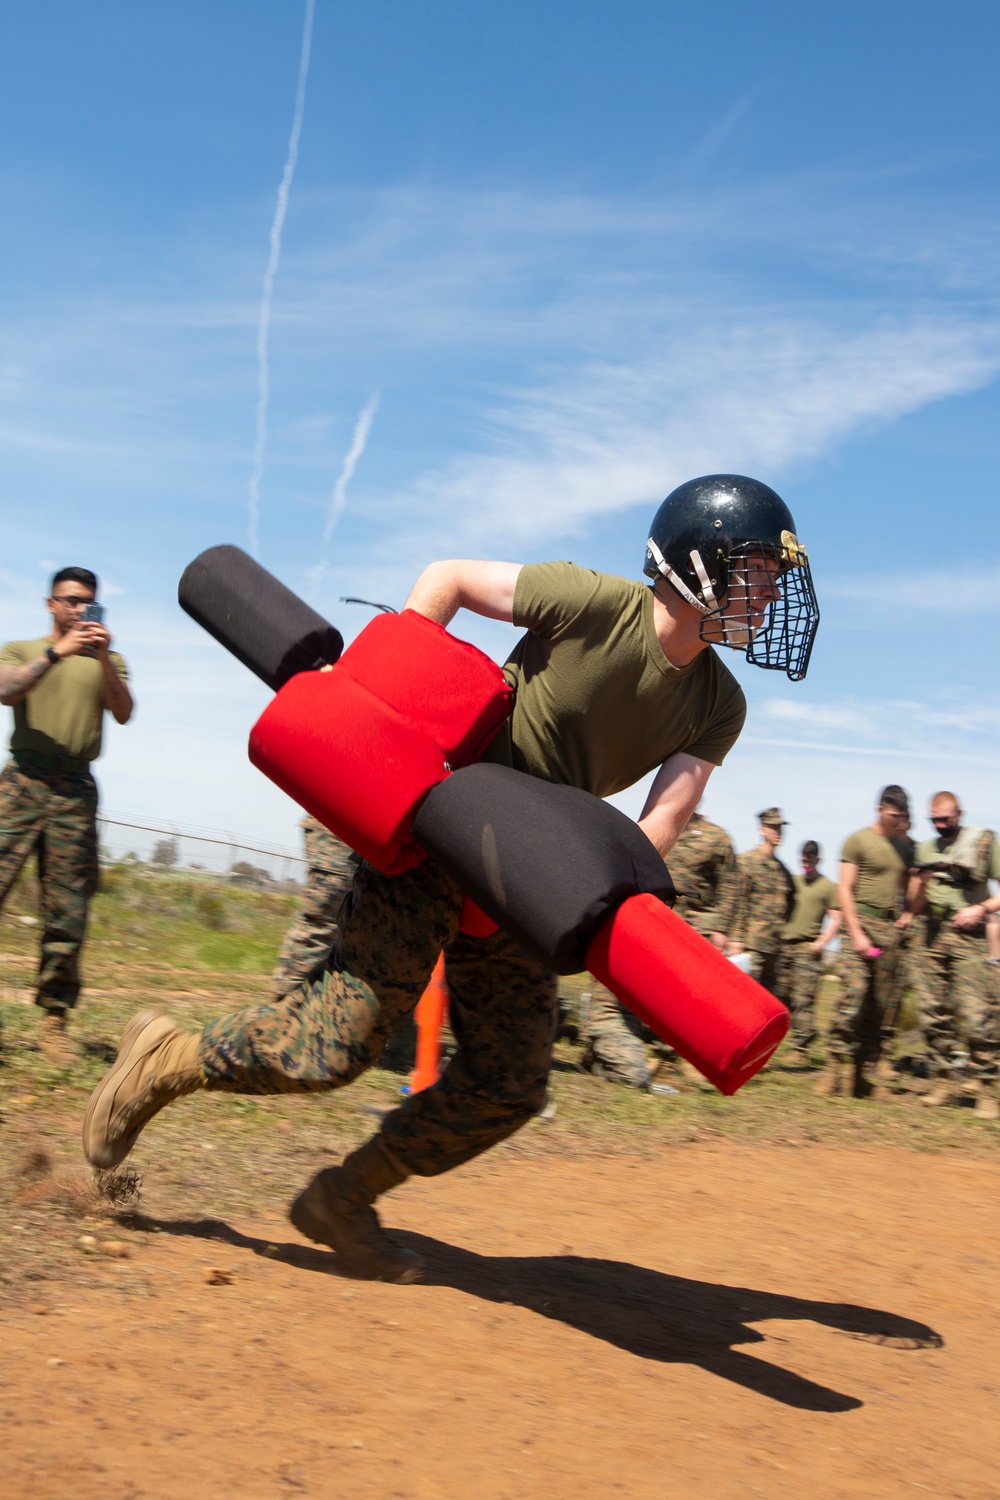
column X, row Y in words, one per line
column 361, row 744
column 719, row 1019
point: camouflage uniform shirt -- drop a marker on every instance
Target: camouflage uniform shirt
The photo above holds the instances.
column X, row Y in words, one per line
column 704, row 870
column 767, row 897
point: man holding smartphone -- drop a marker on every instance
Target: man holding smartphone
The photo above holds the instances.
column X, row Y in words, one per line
column 59, row 687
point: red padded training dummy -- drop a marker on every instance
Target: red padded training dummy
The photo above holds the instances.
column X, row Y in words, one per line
column 717, row 1017
column 360, row 744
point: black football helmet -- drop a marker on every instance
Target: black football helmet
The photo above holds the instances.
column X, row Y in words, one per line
column 727, row 545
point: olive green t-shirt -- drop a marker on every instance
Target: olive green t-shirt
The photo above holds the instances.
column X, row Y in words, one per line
column 882, row 867
column 598, row 704
column 945, row 893
column 64, row 713
column 813, row 899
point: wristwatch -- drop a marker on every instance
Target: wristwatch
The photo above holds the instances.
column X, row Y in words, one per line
column 52, row 655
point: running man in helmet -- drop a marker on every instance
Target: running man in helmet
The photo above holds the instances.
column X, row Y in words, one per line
column 613, row 680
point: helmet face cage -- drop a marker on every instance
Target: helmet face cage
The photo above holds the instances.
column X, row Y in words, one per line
column 782, row 640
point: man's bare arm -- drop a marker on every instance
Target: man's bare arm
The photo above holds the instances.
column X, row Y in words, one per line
column 117, row 698
column 17, row 682
column 678, row 787
column 860, row 940
column 443, row 588
column 831, row 926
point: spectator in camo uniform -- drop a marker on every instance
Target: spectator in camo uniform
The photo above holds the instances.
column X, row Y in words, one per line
column 766, row 899
column 60, row 686
column 956, row 987
column 813, row 924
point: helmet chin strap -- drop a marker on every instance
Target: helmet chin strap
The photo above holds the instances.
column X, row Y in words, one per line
column 677, row 582
column 703, row 578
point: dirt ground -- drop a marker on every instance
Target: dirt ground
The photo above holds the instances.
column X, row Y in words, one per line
column 724, row 1320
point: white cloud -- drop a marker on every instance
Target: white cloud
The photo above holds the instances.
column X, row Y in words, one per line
column 756, row 398
column 958, row 590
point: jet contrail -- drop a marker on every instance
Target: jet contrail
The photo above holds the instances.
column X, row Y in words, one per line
column 338, row 500
column 264, row 317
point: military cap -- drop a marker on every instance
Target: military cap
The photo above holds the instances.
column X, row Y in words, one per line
column 771, row 816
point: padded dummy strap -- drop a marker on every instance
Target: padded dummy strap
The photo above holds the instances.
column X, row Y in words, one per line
column 548, row 863
column 266, row 627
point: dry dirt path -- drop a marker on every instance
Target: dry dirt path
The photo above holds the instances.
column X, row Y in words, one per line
column 719, row 1320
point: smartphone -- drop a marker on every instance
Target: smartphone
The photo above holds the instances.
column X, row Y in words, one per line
column 91, row 614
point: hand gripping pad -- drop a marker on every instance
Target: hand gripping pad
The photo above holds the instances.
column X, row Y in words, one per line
column 720, row 1019
column 266, row 627
column 360, row 745
column 548, row 863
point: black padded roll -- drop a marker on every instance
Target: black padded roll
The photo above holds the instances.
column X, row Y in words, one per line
column 267, row 627
column 548, row 863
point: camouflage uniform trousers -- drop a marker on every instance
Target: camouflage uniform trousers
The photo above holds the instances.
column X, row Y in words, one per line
column 799, row 973
column 957, row 997
column 765, row 968
column 503, row 1010
column 864, row 1015
column 308, row 943
column 616, row 1039
column 55, row 815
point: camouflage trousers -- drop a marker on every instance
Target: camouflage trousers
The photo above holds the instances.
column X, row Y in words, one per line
column 308, row 943
column 799, row 973
column 766, row 969
column 615, row 1039
column 503, row 1012
column 54, row 815
column 864, row 1015
column 958, row 997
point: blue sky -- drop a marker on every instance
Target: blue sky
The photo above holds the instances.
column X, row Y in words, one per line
column 555, row 259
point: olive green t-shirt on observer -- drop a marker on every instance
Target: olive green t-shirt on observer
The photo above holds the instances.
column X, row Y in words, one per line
column 598, row 705
column 813, row 899
column 882, row 867
column 63, row 715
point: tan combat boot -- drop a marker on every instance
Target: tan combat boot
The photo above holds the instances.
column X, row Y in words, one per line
column 156, row 1062
column 881, row 1084
column 988, row 1104
column 55, row 1043
column 833, row 1079
column 336, row 1210
column 943, row 1090
column 985, row 1095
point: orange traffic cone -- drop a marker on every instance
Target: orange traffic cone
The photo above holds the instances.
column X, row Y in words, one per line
column 431, row 1013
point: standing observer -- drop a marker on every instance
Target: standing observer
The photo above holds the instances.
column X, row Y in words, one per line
column 767, row 895
column 59, row 687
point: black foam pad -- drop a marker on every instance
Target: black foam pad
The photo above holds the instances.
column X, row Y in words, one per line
column 267, row 627
column 548, row 863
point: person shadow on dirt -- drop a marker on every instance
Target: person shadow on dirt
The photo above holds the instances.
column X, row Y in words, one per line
column 652, row 1314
